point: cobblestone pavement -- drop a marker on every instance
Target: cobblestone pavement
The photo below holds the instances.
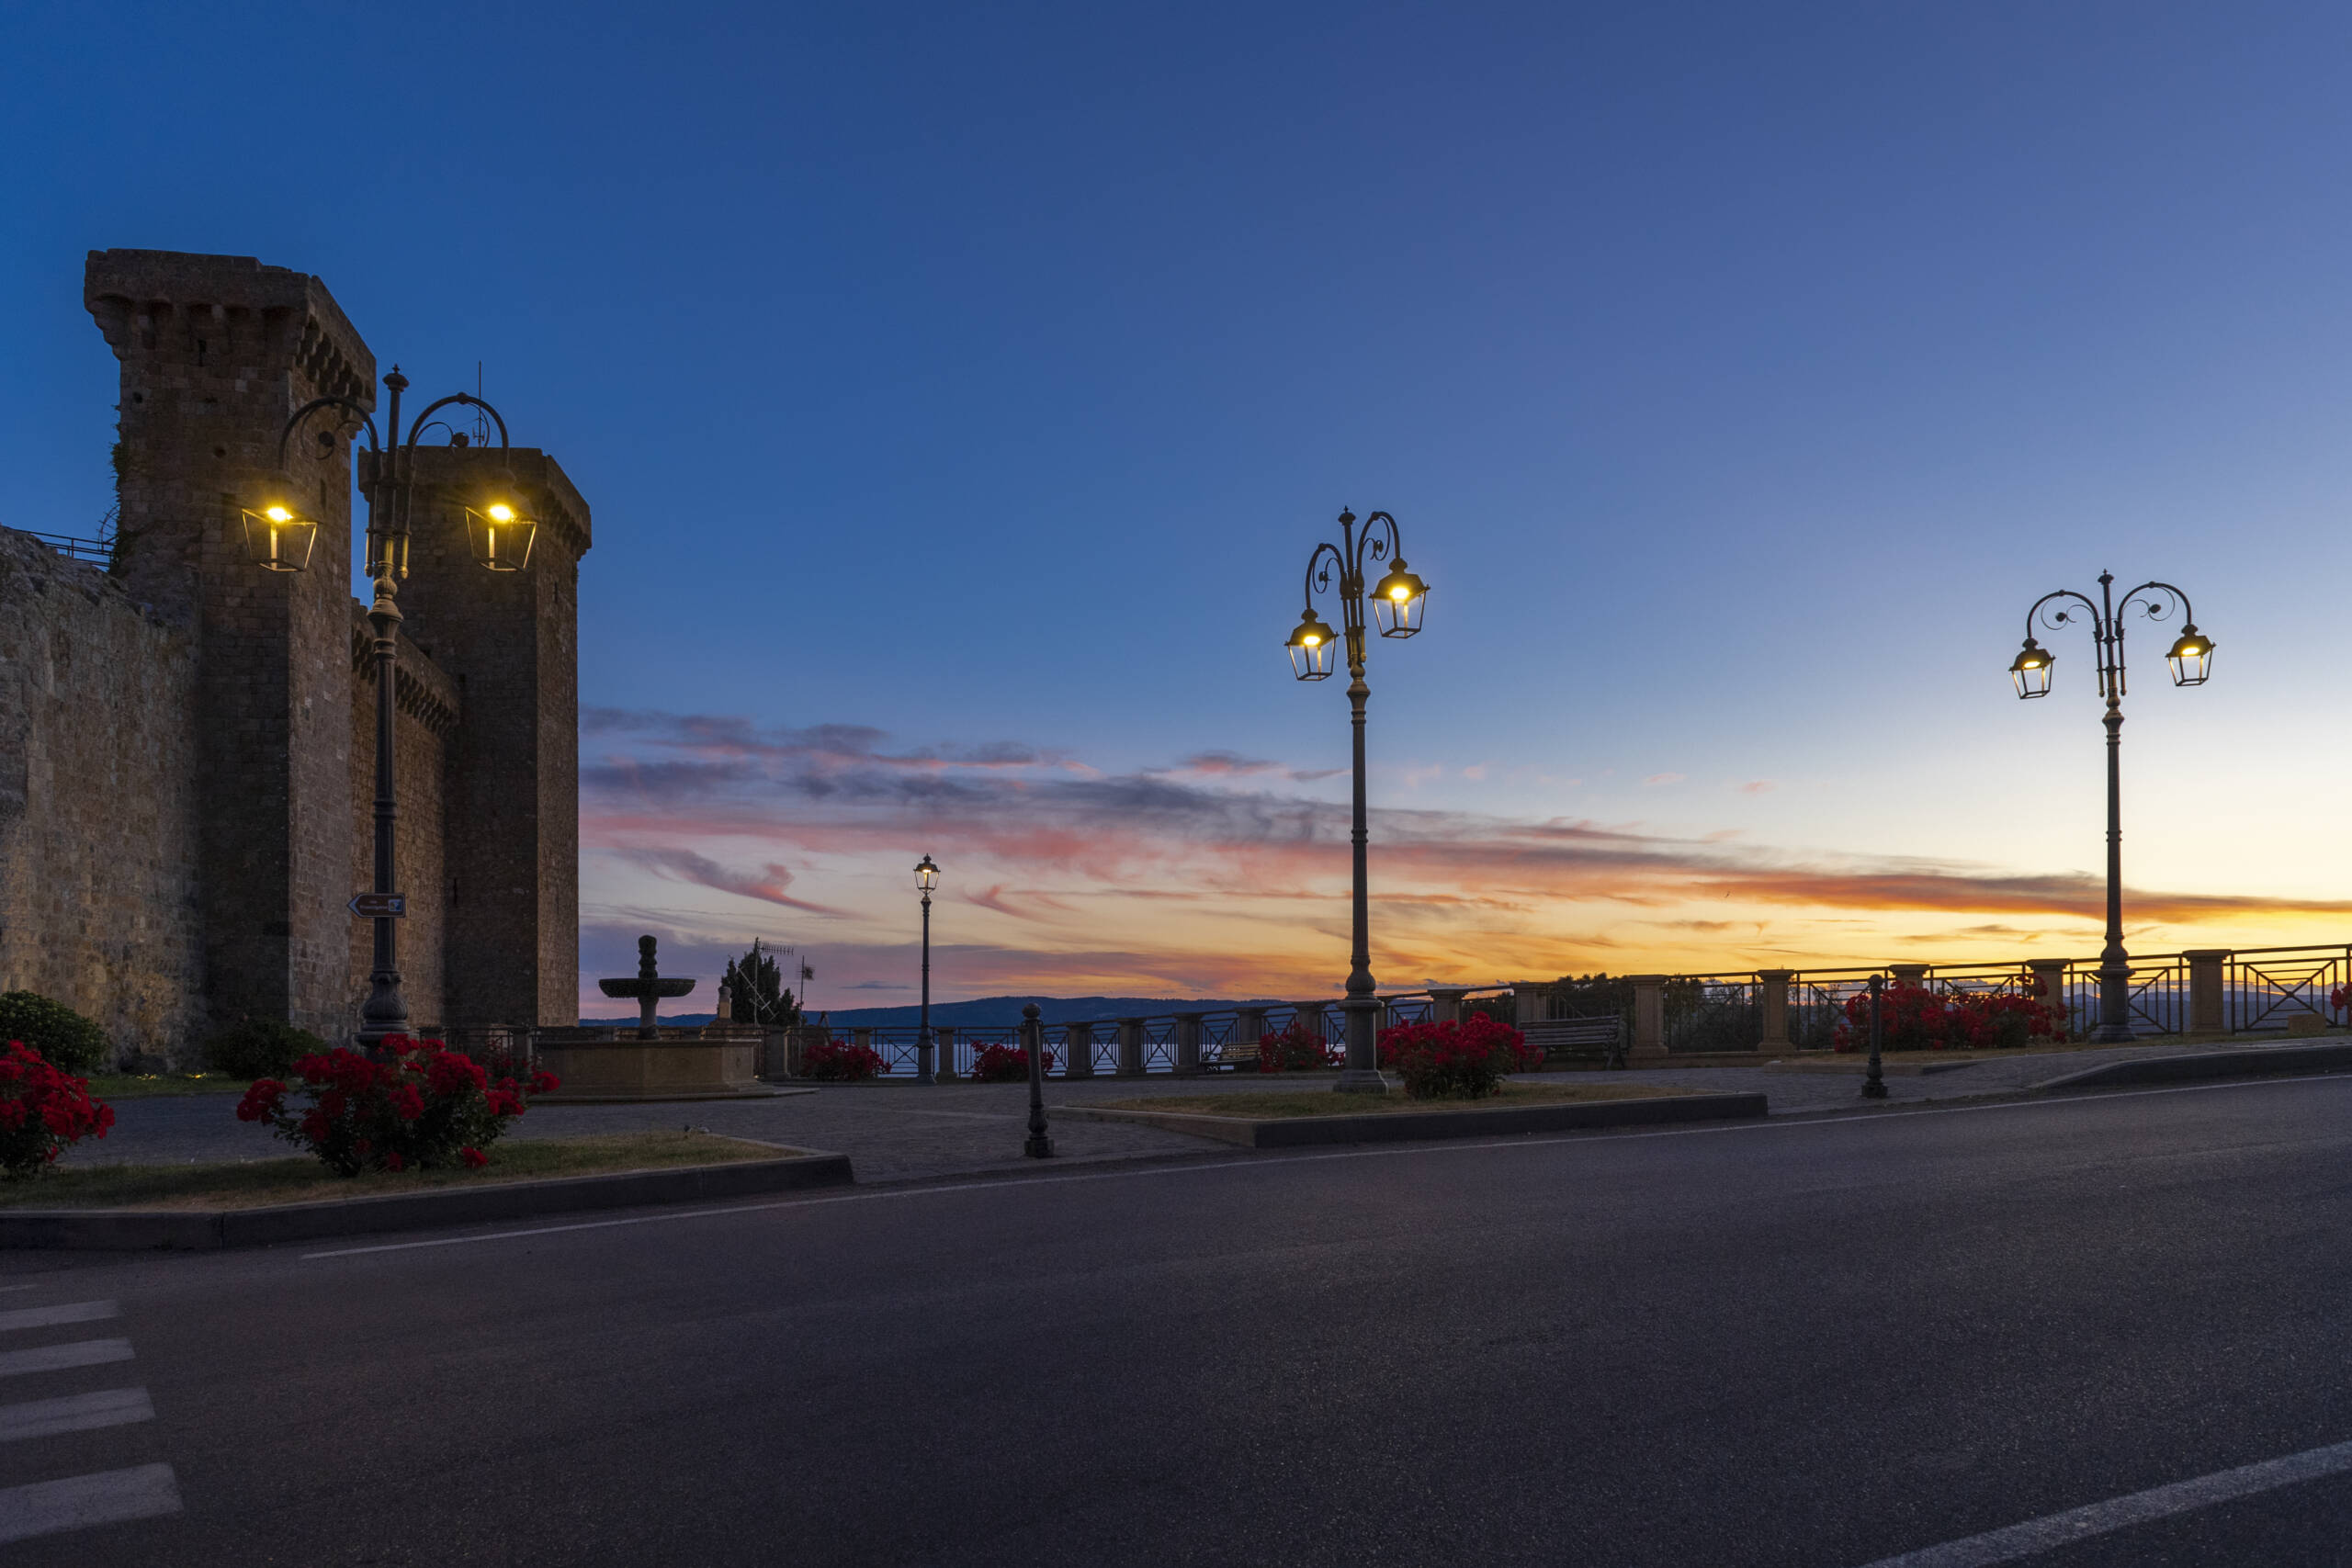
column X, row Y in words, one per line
column 896, row 1132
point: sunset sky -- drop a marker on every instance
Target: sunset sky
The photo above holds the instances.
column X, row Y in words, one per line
column 960, row 391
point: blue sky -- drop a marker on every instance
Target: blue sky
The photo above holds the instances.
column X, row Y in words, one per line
column 976, row 380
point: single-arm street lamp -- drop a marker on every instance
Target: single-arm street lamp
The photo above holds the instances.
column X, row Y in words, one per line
column 926, row 878
column 279, row 537
column 1397, row 601
column 2191, row 660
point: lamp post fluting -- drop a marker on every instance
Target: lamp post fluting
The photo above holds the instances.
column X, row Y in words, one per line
column 1038, row 1146
column 926, row 878
column 2191, row 662
column 1874, row 1075
column 279, row 537
column 1398, row 602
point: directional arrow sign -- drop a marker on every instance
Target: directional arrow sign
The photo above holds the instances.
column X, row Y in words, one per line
column 380, row 906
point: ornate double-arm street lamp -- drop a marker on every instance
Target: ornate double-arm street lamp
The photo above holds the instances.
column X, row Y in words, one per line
column 1397, row 601
column 2191, row 660
column 279, row 536
column 926, row 878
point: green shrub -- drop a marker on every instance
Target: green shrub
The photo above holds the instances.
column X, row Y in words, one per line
column 260, row 1048
column 63, row 1037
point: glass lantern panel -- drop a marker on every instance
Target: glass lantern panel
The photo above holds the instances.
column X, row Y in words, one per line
column 279, row 539
column 1398, row 617
column 1312, row 662
column 2032, row 680
column 501, row 537
column 2192, row 664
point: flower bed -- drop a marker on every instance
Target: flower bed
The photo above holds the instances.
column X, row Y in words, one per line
column 415, row 1105
column 1456, row 1061
column 42, row 1111
column 842, row 1061
column 1913, row 1018
column 1005, row 1064
column 1297, row 1049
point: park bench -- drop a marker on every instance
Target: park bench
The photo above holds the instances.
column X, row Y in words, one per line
column 1579, row 1039
column 1237, row 1055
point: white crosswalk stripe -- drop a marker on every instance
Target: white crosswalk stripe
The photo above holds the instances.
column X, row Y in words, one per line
column 56, row 1358
column 44, row 1317
column 143, row 1492
column 73, row 1412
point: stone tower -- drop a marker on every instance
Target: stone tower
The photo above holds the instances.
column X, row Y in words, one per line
column 216, row 351
column 510, row 640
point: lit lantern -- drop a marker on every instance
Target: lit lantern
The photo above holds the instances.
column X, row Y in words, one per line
column 926, row 875
column 500, row 536
column 279, row 539
column 2191, row 657
column 1396, row 602
column 2031, row 670
column 1310, row 649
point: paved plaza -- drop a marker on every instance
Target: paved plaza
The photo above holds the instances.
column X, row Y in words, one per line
column 898, row 1132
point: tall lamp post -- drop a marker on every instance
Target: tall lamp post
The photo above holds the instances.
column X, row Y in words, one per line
column 279, row 537
column 926, row 878
column 1397, row 601
column 2191, row 660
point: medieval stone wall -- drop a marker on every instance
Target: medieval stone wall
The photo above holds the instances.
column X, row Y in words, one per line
column 98, row 785
column 187, row 739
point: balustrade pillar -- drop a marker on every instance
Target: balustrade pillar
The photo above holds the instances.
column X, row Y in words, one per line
column 944, row 1039
column 1078, row 1040
column 1649, row 1015
column 1773, row 990
column 1131, row 1047
column 1445, row 1006
column 1908, row 974
column 1188, row 1044
column 1531, row 1004
column 861, row 1037
column 2207, row 969
column 1248, row 1026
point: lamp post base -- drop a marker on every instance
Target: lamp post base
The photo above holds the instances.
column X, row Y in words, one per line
column 2112, row 1034
column 1038, row 1146
column 1354, row 1081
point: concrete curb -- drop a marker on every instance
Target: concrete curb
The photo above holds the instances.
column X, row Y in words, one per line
column 1397, row 1126
column 2245, row 1060
column 210, row 1230
column 697, row 1098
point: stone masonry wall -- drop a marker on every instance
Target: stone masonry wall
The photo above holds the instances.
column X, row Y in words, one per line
column 98, row 786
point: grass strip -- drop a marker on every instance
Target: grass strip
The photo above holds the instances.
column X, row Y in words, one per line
column 1275, row 1104
column 247, row 1184
column 149, row 1086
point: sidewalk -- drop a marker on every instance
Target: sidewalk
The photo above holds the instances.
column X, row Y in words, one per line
column 896, row 1132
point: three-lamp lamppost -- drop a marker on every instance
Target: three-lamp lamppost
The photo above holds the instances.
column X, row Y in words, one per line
column 1397, row 601
column 926, row 878
column 279, row 537
column 2191, row 660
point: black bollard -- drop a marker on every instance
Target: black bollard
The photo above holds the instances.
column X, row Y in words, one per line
column 1032, row 1045
column 1874, row 1081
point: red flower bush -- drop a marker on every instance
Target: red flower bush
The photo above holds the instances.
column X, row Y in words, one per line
column 1297, row 1049
column 843, row 1061
column 1004, row 1063
column 2340, row 998
column 41, row 1110
column 1913, row 1018
column 1456, row 1061
column 416, row 1103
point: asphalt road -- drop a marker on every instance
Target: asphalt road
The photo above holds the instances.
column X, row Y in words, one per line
column 1803, row 1342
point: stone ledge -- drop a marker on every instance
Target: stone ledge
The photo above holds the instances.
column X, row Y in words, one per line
column 212, row 1230
column 1396, row 1126
column 2240, row 1061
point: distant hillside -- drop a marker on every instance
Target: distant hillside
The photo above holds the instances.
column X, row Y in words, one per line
column 989, row 1012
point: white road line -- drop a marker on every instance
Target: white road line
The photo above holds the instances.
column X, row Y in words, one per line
column 75, row 1413
column 1595, row 1136
column 2055, row 1530
column 42, row 1317
column 145, row 1492
column 10, row 1289
column 56, row 1358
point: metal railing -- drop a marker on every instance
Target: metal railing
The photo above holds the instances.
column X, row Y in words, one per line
column 2260, row 990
